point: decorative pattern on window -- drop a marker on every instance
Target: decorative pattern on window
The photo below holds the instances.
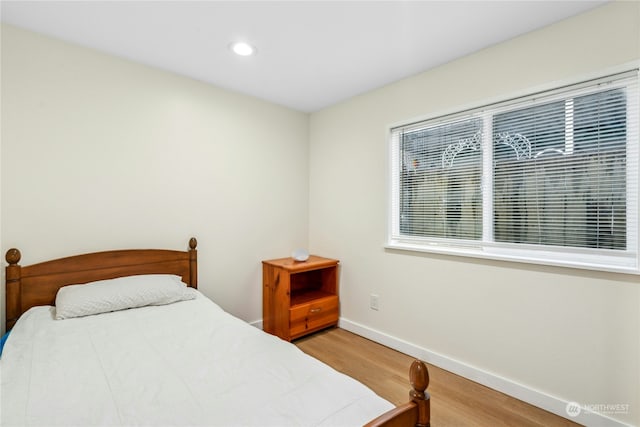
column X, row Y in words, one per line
column 554, row 170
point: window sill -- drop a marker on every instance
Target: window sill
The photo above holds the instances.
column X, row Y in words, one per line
column 624, row 263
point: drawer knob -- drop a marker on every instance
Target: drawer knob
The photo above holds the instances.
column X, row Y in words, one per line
column 315, row 310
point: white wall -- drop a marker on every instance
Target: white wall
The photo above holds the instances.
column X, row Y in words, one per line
column 100, row 153
column 552, row 334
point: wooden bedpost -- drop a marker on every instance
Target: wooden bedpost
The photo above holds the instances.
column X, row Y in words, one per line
column 416, row 412
column 419, row 377
column 13, row 289
column 193, row 263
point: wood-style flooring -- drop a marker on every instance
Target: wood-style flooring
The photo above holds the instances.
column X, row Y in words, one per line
column 455, row 401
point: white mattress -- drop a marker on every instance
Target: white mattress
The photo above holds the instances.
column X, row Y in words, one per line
column 188, row 363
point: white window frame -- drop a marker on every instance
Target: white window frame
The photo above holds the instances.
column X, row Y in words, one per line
column 623, row 261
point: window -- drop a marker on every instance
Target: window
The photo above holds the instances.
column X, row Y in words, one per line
column 549, row 178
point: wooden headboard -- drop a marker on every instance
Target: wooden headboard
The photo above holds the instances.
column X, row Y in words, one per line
column 38, row 284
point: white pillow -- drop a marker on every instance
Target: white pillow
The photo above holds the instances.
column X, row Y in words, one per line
column 121, row 293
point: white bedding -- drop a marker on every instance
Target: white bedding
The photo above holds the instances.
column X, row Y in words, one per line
column 187, row 363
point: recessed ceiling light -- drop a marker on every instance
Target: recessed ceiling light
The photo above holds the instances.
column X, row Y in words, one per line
column 242, row 49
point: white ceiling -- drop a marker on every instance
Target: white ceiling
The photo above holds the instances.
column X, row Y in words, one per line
column 311, row 54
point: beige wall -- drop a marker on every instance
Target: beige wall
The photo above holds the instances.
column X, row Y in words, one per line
column 99, row 153
column 571, row 335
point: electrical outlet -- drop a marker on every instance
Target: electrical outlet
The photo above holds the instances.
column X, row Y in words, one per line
column 373, row 302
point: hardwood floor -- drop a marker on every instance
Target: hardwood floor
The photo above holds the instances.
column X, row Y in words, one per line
column 455, row 401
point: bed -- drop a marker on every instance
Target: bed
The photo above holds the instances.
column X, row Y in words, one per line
column 174, row 361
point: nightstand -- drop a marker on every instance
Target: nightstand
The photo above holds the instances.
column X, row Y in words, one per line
column 299, row 297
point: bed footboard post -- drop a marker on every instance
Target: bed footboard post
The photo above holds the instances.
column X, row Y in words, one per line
column 193, row 263
column 13, row 287
column 419, row 376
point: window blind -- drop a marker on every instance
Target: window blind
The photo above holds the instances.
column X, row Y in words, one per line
column 554, row 172
column 560, row 172
column 441, row 169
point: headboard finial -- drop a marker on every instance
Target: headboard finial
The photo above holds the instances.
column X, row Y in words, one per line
column 193, row 243
column 13, row 256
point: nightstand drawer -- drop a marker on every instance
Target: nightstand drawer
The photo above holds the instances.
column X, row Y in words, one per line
column 308, row 317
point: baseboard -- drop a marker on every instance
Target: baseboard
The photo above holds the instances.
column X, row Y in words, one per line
column 504, row 385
